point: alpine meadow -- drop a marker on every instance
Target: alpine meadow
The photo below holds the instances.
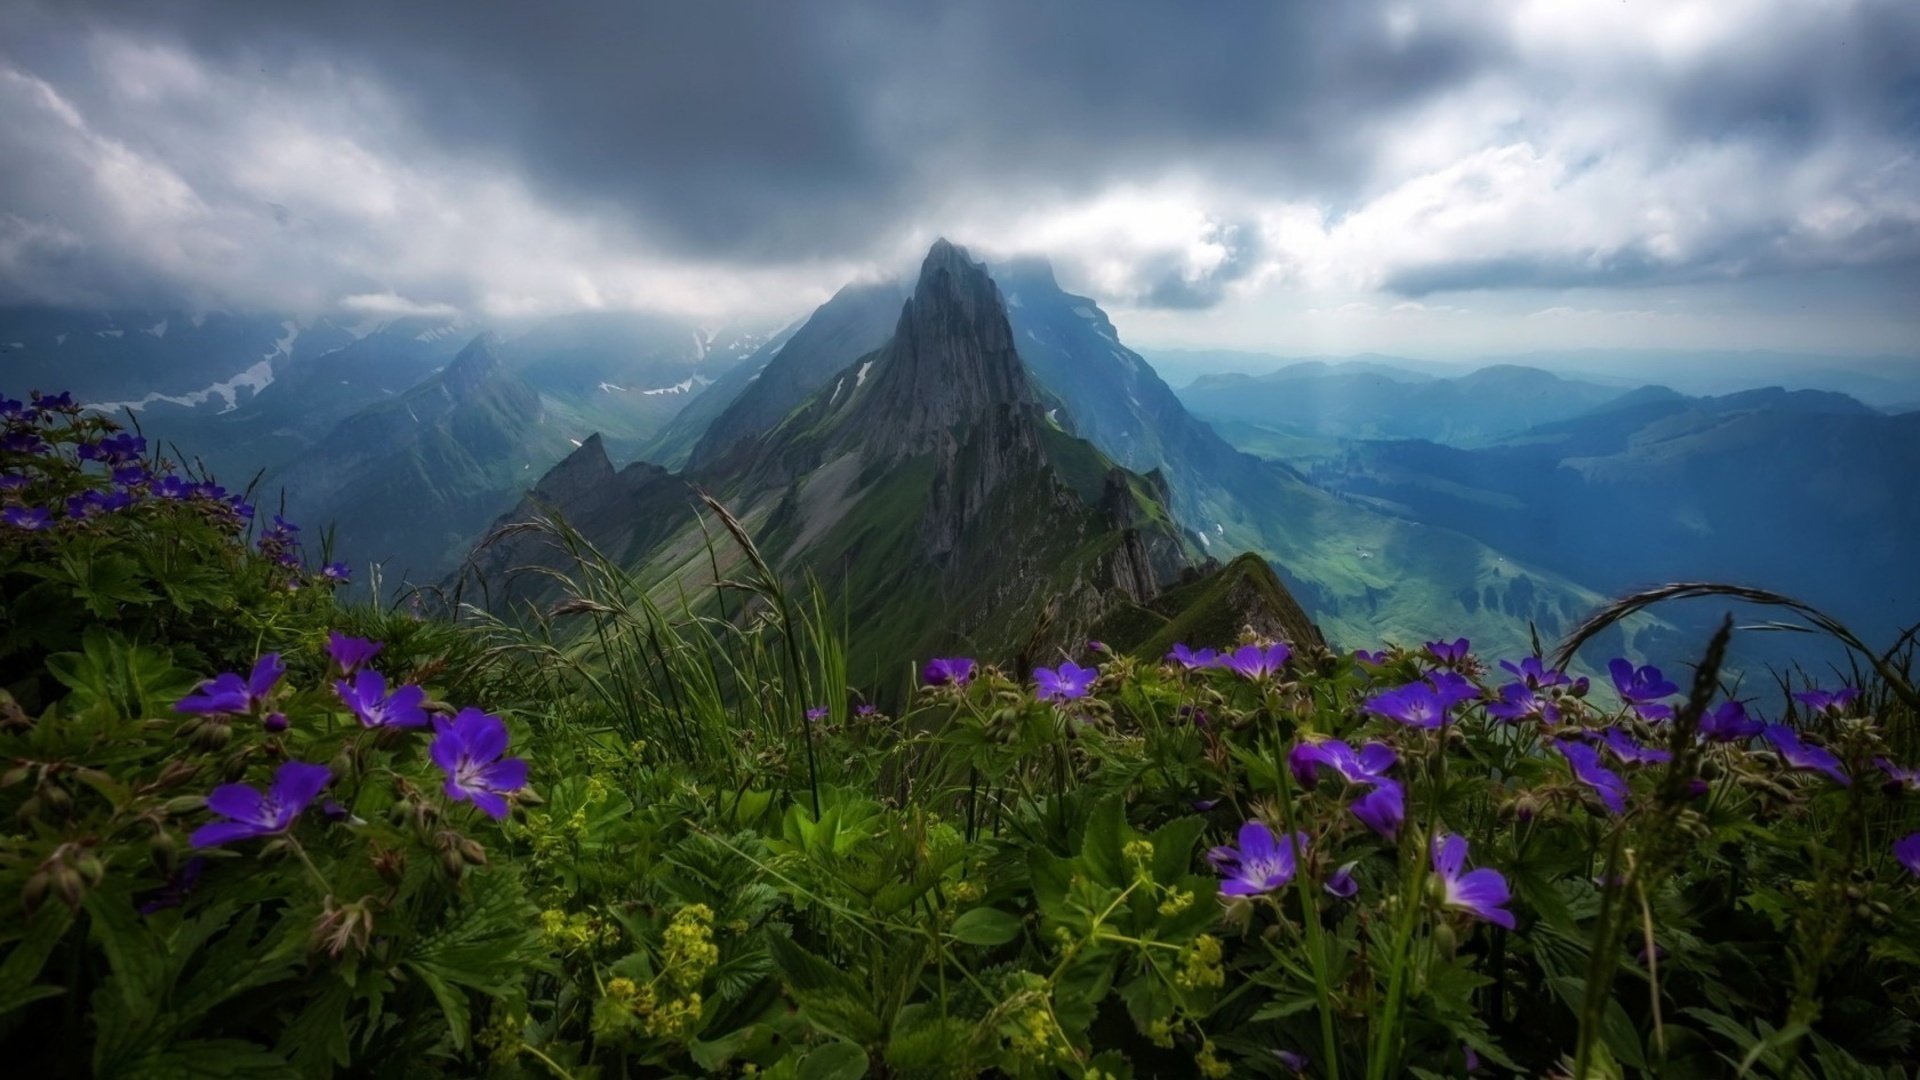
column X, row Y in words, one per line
column 964, row 539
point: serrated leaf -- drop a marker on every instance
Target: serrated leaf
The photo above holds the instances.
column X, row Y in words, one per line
column 834, row 1061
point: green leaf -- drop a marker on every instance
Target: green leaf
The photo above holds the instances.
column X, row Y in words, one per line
column 23, row 964
column 834, row 1061
column 986, row 926
column 833, row 1000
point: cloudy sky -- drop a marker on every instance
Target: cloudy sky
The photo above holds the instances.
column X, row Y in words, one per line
column 1437, row 178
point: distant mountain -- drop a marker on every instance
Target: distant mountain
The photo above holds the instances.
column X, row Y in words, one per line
column 410, row 481
column 1182, row 366
column 1805, row 492
column 922, row 482
column 1366, row 403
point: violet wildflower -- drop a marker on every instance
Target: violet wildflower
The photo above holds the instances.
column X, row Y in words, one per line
column 1292, row 1062
column 1481, row 893
column 1452, row 688
column 1519, row 701
column 174, row 892
column 1728, row 722
column 1628, row 750
column 1065, row 683
column 172, row 487
column 1827, row 701
column 1383, row 809
column 1536, row 674
column 337, row 573
column 1907, row 852
column 1372, row 659
column 468, row 749
column 11, row 408
column 863, row 710
column 1416, row 704
column 948, row 671
column 1364, row 766
column 1341, row 884
column 251, row 812
column 1642, row 688
column 23, row 442
column 13, row 481
column 1801, row 755
column 1204, row 805
column 367, row 697
column 817, row 714
column 1193, row 658
column 1448, row 652
column 229, row 693
column 351, row 652
column 1262, row 862
column 1607, row 784
column 274, row 723
column 131, row 475
column 28, row 518
column 1257, row 662
column 1899, row 776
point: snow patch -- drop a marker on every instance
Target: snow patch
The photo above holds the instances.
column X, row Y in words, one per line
column 684, row 386
column 576, row 442
column 837, row 387
column 1219, row 528
column 612, row 389
column 1084, row 312
column 1204, row 542
column 1013, row 299
column 860, row 376
column 59, row 340
column 158, row 329
column 109, row 333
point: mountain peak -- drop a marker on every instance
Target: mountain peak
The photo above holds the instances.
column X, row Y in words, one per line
column 476, row 364
column 951, row 360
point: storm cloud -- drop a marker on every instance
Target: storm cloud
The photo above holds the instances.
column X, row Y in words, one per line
column 716, row 156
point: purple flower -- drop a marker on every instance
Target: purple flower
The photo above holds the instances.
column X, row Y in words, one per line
column 172, row 487
column 1630, row 751
column 950, row 671
column 1898, row 776
column 1520, row 701
column 11, row 407
column 229, row 693
column 274, row 723
column 817, row 714
column 1257, row 662
column 863, row 710
column 1448, row 652
column 468, row 750
column 131, row 475
column 1416, row 704
column 1374, row 659
column 1480, row 893
column 1728, row 722
column 351, row 652
column 1536, row 674
column 1261, row 863
column 1802, row 755
column 1290, row 1061
column 1065, row 683
column 29, row 518
column 1204, row 805
column 1642, row 688
column 1383, row 808
column 174, row 892
column 1907, row 852
column 1193, row 658
column 23, row 442
column 367, row 697
column 13, row 481
column 1341, row 884
column 1606, row 783
column 338, row 573
column 1834, row 701
column 1452, row 688
column 1366, row 766
column 251, row 813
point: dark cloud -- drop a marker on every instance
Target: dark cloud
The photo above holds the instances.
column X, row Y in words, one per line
column 741, row 133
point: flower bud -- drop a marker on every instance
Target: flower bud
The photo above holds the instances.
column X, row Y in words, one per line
column 14, row 776
column 56, row 800
column 275, row 723
column 164, row 850
column 185, row 804
column 67, row 884
column 1445, row 938
column 34, row 893
column 91, row 868
column 471, row 850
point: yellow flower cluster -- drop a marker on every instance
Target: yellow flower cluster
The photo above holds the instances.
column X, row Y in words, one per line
column 1209, row 1064
column 689, row 950
column 1177, row 901
column 501, row 1038
column 576, row 931
column 1200, row 968
column 671, row 1021
column 1139, row 855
